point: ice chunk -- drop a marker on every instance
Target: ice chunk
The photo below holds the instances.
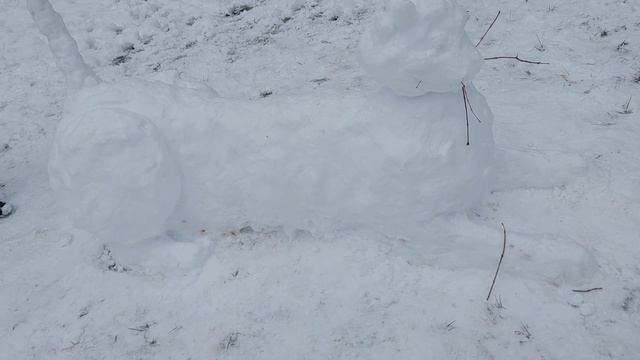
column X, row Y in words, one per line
column 419, row 49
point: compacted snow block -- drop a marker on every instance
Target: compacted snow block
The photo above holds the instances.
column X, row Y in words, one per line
column 418, row 48
column 136, row 158
column 115, row 172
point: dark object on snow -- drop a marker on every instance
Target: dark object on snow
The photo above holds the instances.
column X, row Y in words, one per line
column 5, row 209
column 237, row 10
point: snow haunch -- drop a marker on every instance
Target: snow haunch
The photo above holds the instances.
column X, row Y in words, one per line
column 136, row 158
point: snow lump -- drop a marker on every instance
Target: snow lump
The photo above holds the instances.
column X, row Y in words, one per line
column 134, row 159
column 416, row 48
column 114, row 171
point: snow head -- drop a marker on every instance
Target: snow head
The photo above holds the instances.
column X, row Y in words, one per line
column 416, row 49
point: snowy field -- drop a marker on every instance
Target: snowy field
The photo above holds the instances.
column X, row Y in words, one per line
column 566, row 185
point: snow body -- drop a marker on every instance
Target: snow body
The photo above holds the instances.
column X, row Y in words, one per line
column 134, row 159
column 389, row 163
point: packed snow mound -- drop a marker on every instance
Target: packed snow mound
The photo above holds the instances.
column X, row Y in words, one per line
column 134, row 159
column 416, row 48
column 114, row 171
column 386, row 162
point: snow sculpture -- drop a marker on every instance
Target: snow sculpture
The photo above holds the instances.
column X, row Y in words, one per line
column 115, row 172
column 135, row 158
column 62, row 45
column 417, row 50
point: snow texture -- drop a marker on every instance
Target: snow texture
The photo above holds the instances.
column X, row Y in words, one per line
column 114, row 172
column 129, row 156
column 567, row 188
column 421, row 47
column 62, row 45
column 389, row 163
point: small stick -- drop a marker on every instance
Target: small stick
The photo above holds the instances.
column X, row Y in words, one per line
column 466, row 112
column 490, row 26
column 517, row 58
column 451, row 323
column 588, row 290
column 504, row 247
column 466, row 95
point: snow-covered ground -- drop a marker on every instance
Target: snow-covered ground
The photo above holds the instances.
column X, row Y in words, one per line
column 567, row 188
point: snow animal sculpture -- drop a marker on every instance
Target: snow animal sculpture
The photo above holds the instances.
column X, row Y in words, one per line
column 135, row 158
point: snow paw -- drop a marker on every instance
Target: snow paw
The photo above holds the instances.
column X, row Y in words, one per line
column 523, row 169
column 458, row 243
column 162, row 256
column 554, row 260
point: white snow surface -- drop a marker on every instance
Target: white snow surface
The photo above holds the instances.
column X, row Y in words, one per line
column 62, row 45
column 567, row 190
column 129, row 156
column 114, row 173
column 421, row 47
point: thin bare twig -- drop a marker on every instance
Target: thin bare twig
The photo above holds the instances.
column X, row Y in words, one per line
column 466, row 95
column 517, row 58
column 450, row 326
column 504, row 247
column 490, row 26
column 466, row 112
column 588, row 290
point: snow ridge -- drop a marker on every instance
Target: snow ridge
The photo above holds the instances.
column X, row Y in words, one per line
column 63, row 47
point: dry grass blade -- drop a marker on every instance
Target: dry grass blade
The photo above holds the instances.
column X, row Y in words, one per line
column 504, row 248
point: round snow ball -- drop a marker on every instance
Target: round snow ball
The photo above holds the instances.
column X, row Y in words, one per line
column 115, row 174
column 419, row 49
